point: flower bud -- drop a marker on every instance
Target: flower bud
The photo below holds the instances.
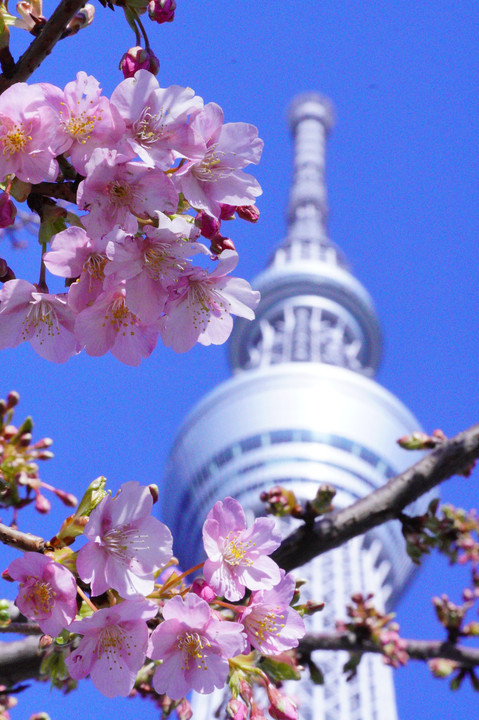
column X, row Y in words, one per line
column 282, row 707
column 227, row 212
column 201, row 588
column 236, row 709
column 183, row 710
column 13, row 398
column 162, row 11
column 208, row 225
column 81, row 19
column 67, row 498
column 220, row 243
column 250, row 213
column 45, row 641
column 138, row 58
column 8, row 210
column 42, row 504
column 442, row 668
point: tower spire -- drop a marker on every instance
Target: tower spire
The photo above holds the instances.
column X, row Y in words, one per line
column 311, row 118
column 312, row 308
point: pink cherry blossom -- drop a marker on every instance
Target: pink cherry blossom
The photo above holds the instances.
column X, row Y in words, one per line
column 108, row 325
column 125, row 543
column 44, row 320
column 237, row 555
column 194, row 647
column 149, row 264
column 156, row 119
column 271, row 625
column 86, row 119
column 200, row 305
column 217, row 177
column 47, row 592
column 116, row 193
column 29, row 139
column 74, row 254
column 113, row 647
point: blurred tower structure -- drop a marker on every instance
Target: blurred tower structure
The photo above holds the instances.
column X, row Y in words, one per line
column 302, row 409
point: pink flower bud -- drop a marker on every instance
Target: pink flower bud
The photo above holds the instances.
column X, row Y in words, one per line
column 138, row 58
column 236, row 709
column 183, row 710
column 282, row 707
column 209, row 226
column 227, row 212
column 162, row 10
column 8, row 210
column 248, row 212
column 42, row 504
column 81, row 19
column 45, row 641
column 201, row 588
column 67, row 498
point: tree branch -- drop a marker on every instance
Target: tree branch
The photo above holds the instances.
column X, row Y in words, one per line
column 416, row 649
column 454, row 456
column 21, row 540
column 19, row 660
column 42, row 46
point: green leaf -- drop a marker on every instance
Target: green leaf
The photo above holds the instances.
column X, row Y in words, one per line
column 278, row 671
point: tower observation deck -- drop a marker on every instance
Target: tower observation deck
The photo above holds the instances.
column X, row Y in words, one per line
column 303, row 409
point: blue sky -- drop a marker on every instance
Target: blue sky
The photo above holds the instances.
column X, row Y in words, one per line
column 402, row 173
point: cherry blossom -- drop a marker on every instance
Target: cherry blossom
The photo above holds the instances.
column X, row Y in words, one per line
column 125, row 543
column 28, row 134
column 108, row 325
column 216, row 177
column 271, row 625
column 47, row 592
column 116, row 193
column 86, row 119
column 194, row 647
column 237, row 555
column 200, row 305
column 150, row 263
column 113, row 646
column 44, row 320
column 156, row 119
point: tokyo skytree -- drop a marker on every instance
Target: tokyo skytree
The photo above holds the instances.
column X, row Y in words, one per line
column 302, row 409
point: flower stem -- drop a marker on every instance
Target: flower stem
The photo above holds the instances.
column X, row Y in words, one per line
column 86, row 599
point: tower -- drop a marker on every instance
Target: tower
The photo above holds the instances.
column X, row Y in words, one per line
column 303, row 409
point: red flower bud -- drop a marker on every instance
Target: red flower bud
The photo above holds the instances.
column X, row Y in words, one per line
column 8, row 210
column 248, row 212
column 138, row 58
column 162, row 10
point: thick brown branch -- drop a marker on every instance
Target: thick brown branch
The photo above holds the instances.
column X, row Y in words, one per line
column 21, row 540
column 416, row 649
column 384, row 504
column 62, row 191
column 19, row 660
column 43, row 44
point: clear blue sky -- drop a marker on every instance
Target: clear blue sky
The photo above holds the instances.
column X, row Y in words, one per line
column 403, row 175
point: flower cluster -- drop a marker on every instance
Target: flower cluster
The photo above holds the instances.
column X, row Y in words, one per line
column 20, row 483
column 117, row 601
column 151, row 169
